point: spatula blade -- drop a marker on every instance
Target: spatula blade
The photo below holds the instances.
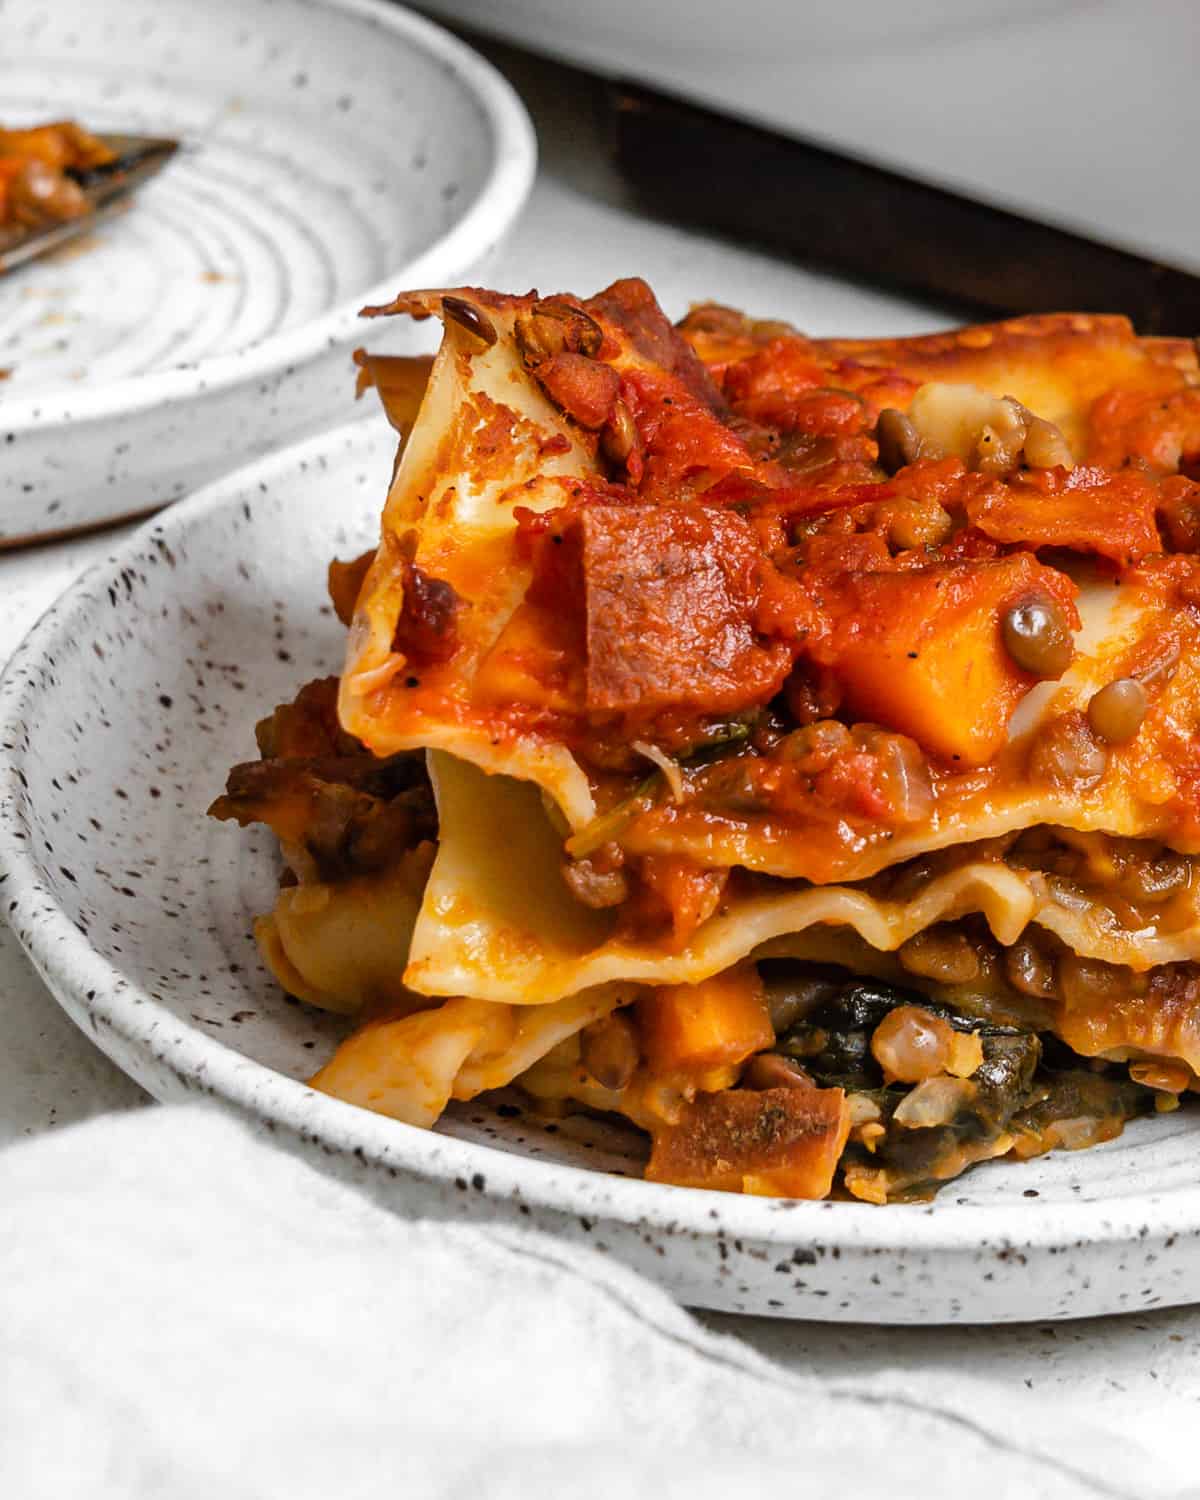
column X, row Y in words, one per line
column 138, row 158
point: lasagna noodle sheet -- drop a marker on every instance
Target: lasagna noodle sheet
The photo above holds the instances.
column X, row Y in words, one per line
column 1057, row 364
column 498, row 923
column 411, row 1067
column 486, row 440
column 343, row 946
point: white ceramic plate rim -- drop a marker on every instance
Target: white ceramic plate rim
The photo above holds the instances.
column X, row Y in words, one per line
column 497, row 204
column 72, row 967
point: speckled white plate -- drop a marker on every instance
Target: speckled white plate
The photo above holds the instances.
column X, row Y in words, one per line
column 335, row 151
column 118, row 718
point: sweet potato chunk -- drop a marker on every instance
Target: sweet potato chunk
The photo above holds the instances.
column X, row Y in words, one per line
column 670, row 598
column 922, row 650
column 782, row 1142
column 689, row 1027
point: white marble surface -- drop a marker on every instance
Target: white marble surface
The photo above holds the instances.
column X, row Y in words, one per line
column 577, row 234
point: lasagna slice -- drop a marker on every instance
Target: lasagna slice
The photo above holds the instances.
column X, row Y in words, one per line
column 812, row 732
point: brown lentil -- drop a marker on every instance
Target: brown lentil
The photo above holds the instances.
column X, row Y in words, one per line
column 619, row 436
column 1045, row 446
column 1066, row 755
column 1030, row 969
column 899, row 442
column 941, row 953
column 771, row 1070
column 917, row 523
column 1116, row 712
column 1037, row 637
column 1000, row 442
column 468, row 316
column 551, row 328
column 609, row 1051
column 593, row 885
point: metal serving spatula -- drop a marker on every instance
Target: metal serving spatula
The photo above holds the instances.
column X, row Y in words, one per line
column 138, row 158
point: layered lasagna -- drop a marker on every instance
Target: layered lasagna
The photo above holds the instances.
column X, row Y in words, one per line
column 787, row 745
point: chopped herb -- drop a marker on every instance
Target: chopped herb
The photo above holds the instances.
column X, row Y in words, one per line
column 603, row 829
column 611, row 824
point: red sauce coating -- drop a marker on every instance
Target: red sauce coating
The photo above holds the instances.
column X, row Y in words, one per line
column 1086, row 509
column 584, row 388
column 748, row 558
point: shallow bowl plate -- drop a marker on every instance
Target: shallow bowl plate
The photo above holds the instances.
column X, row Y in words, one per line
column 118, row 718
column 334, row 152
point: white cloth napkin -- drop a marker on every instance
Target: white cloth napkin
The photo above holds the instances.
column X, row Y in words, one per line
column 188, row 1312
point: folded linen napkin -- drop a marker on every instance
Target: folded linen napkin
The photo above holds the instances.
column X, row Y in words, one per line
column 187, row 1311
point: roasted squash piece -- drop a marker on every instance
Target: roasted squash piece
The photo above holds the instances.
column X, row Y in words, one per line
column 781, row 1142
column 922, row 650
column 686, row 1028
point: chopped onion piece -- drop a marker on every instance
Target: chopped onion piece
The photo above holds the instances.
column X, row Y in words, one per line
column 669, row 767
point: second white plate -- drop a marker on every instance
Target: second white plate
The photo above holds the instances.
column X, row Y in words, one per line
column 118, row 718
column 334, row 151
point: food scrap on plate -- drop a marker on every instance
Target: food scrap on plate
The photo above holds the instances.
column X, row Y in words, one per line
column 39, row 168
column 57, row 180
column 786, row 745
